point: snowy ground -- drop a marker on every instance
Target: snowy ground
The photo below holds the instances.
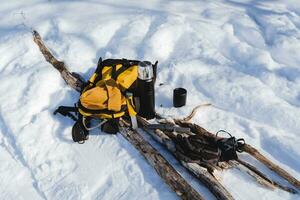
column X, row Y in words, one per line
column 241, row 56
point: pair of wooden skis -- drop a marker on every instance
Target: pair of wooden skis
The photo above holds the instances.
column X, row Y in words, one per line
column 171, row 177
column 207, row 176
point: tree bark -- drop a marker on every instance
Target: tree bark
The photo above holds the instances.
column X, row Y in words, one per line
column 175, row 181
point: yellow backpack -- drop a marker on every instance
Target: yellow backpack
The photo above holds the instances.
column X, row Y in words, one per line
column 108, row 93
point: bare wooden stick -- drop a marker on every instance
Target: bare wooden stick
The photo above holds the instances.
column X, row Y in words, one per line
column 272, row 166
column 250, row 150
column 208, row 180
column 162, row 167
column 154, row 158
column 201, row 173
column 71, row 80
column 194, row 111
column 257, row 177
column 265, row 177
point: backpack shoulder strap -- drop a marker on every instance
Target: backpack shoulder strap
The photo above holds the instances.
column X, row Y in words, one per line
column 111, row 62
column 67, row 111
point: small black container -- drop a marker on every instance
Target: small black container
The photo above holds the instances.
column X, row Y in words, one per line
column 179, row 97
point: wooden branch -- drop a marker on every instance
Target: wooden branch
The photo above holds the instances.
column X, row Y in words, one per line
column 194, row 111
column 256, row 176
column 200, row 172
column 265, row 177
column 71, row 80
column 208, row 180
column 272, row 166
column 162, row 167
column 248, row 149
column 154, row 158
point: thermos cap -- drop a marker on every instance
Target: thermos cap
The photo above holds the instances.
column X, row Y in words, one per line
column 145, row 70
column 179, row 97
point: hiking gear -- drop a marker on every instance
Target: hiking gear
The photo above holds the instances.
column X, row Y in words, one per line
column 206, row 149
column 79, row 132
column 108, row 95
column 104, row 95
column 229, row 146
column 104, row 100
column 179, row 97
column 146, row 80
column 199, row 149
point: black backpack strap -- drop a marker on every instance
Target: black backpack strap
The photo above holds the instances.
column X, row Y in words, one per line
column 99, row 65
column 113, row 62
column 67, row 111
column 79, row 133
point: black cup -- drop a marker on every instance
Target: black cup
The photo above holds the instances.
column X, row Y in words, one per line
column 179, row 97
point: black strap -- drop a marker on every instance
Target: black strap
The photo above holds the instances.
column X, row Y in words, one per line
column 112, row 62
column 99, row 65
column 67, row 111
column 115, row 74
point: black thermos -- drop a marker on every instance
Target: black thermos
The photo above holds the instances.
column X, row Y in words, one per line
column 146, row 90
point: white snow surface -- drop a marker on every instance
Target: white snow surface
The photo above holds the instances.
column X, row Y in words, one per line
column 242, row 56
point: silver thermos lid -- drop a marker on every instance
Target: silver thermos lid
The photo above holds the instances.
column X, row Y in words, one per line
column 145, row 70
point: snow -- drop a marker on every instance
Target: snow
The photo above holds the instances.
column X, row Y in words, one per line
column 239, row 55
